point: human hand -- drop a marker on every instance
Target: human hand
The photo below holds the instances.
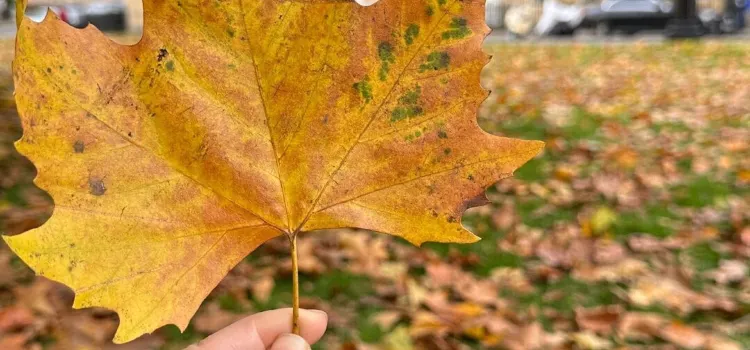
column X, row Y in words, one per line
column 268, row 330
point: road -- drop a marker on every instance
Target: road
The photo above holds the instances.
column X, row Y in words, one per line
column 588, row 37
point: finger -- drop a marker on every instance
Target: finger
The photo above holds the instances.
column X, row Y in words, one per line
column 231, row 338
column 290, row 342
column 260, row 330
column 366, row 2
column 273, row 323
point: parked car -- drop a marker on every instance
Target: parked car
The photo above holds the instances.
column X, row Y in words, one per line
column 74, row 15
column 629, row 16
column 540, row 17
column 107, row 16
column 494, row 13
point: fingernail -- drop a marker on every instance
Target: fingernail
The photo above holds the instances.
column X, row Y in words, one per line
column 290, row 342
column 319, row 313
column 366, row 2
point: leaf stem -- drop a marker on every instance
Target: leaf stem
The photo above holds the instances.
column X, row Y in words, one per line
column 295, row 285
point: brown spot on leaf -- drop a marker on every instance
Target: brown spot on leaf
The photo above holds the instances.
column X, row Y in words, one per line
column 162, row 53
column 79, row 146
column 96, row 187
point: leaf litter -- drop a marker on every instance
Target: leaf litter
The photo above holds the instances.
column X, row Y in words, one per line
column 630, row 231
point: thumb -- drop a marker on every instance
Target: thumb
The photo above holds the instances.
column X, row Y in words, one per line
column 366, row 2
column 290, row 342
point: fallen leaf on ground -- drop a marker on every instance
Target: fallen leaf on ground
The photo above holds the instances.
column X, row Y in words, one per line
column 590, row 341
column 601, row 320
column 683, row 335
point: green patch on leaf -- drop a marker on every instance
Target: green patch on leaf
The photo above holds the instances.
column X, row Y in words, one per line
column 411, row 97
column 408, row 105
column 429, row 10
column 413, row 136
column 412, row 32
column 364, row 89
column 458, row 29
column 436, row 61
column 386, row 56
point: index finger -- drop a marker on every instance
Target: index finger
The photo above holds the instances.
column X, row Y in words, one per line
column 259, row 331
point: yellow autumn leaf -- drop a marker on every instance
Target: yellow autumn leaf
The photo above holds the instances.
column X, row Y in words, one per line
column 232, row 122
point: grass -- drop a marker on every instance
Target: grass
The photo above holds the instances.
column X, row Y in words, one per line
column 701, row 192
column 656, row 220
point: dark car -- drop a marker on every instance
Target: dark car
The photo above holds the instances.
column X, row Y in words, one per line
column 107, row 16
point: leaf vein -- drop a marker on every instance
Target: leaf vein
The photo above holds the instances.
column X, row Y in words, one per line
column 372, row 118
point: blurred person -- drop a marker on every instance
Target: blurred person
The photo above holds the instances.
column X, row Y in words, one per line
column 268, row 330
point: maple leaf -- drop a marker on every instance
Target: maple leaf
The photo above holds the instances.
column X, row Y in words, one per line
column 233, row 122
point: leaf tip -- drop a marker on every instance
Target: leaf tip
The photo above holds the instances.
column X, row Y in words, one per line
column 474, row 239
column 536, row 146
column 464, row 236
column 528, row 150
column 13, row 243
